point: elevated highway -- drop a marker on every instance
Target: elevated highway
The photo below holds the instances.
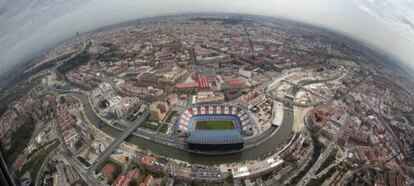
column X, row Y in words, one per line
column 108, row 151
column 306, row 89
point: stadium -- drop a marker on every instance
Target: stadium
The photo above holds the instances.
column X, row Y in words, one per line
column 214, row 127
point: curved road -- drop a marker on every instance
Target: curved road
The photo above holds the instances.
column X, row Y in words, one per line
column 281, row 135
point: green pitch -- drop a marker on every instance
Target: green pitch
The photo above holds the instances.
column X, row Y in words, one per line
column 214, row 125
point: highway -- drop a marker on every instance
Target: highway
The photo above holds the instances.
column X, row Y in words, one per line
column 108, row 151
column 311, row 173
column 306, row 89
column 151, row 141
column 86, row 176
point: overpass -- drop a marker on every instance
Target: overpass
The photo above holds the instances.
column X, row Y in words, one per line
column 306, row 89
column 108, row 151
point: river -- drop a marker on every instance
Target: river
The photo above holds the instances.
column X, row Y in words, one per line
column 281, row 135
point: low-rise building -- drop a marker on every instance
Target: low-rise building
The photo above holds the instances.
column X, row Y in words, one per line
column 251, row 99
column 257, row 169
column 209, row 97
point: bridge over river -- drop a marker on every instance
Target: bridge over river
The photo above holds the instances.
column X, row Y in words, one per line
column 114, row 145
column 282, row 134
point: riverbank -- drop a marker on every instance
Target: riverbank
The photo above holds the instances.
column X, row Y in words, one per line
column 255, row 151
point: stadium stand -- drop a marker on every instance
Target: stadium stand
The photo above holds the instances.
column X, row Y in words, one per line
column 210, row 140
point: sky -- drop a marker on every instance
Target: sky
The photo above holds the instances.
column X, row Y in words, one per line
column 28, row 27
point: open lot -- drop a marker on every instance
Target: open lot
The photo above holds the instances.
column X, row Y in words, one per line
column 150, row 125
column 110, row 170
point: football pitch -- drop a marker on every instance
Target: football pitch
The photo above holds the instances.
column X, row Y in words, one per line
column 214, row 125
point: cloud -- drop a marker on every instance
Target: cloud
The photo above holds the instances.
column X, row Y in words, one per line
column 367, row 10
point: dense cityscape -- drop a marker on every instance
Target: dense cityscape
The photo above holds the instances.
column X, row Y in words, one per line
column 209, row 100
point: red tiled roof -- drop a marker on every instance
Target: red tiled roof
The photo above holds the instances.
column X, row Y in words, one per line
column 120, row 180
column 233, row 83
column 203, row 82
column 187, row 85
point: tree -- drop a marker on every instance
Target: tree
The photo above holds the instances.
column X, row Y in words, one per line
column 133, row 182
column 164, row 180
column 62, row 100
column 141, row 169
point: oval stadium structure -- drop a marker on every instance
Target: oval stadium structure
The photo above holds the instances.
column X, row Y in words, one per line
column 214, row 127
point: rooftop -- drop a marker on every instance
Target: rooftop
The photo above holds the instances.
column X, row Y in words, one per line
column 215, row 137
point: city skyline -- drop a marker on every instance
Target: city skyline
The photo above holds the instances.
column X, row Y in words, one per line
column 26, row 32
column 220, row 98
column 207, row 92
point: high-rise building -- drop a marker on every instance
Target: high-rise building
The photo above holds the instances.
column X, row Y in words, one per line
column 158, row 111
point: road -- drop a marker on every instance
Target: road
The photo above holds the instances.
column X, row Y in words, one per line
column 174, row 149
column 324, row 171
column 248, row 38
column 306, row 89
column 86, row 176
column 311, row 173
column 108, row 151
column 42, row 167
column 352, row 88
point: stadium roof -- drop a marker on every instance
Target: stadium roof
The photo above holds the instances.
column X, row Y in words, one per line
column 215, row 137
